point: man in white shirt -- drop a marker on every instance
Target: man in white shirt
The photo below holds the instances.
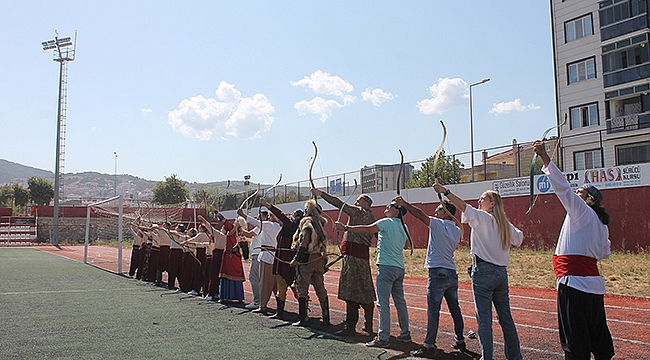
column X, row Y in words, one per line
column 268, row 241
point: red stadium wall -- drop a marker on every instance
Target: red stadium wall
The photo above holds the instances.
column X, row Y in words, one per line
column 629, row 229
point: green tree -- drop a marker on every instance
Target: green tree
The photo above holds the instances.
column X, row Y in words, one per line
column 201, row 195
column 21, row 196
column 448, row 172
column 229, row 201
column 171, row 191
column 41, row 191
column 6, row 194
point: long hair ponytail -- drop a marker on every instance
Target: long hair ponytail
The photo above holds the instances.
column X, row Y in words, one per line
column 500, row 217
column 601, row 212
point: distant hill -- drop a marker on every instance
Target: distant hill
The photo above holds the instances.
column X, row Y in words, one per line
column 11, row 172
column 92, row 184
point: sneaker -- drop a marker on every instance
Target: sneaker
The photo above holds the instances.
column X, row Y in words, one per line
column 459, row 345
column 377, row 343
column 424, row 352
column 404, row 338
column 252, row 306
column 208, row 298
column 193, row 293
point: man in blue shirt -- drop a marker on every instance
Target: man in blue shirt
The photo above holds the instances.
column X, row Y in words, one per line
column 444, row 237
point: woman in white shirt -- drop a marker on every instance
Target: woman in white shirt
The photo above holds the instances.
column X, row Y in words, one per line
column 490, row 241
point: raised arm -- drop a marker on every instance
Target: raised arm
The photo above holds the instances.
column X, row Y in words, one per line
column 414, row 210
column 367, row 229
column 458, row 202
column 333, row 200
column 276, row 211
column 540, row 149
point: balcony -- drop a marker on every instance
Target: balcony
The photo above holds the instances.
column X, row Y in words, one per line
column 628, row 122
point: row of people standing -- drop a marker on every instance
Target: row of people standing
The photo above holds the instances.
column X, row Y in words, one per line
column 288, row 250
column 583, row 240
column 205, row 261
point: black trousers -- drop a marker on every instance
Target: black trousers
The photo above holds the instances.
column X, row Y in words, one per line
column 583, row 326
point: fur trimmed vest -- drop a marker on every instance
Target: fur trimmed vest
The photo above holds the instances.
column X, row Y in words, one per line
column 316, row 244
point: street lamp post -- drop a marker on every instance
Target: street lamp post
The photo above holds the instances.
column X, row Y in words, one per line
column 115, row 176
column 471, row 124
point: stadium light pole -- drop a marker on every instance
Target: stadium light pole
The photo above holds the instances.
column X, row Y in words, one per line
column 471, row 124
column 62, row 54
column 115, row 174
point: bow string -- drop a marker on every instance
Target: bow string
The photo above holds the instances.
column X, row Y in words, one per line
column 436, row 178
column 399, row 177
column 534, row 161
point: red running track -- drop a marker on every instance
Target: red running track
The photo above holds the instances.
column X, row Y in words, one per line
column 534, row 311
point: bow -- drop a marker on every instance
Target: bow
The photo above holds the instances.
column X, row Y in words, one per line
column 338, row 232
column 532, row 166
column 311, row 182
column 219, row 194
column 250, row 197
column 348, row 199
column 399, row 177
column 435, row 176
column 264, row 195
column 311, row 168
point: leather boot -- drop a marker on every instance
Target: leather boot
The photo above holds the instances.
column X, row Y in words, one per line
column 351, row 318
column 325, row 310
column 368, row 310
column 279, row 313
column 302, row 312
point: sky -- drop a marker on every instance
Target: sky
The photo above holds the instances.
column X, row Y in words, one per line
column 215, row 90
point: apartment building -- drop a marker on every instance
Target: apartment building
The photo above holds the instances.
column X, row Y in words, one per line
column 601, row 53
column 384, row 177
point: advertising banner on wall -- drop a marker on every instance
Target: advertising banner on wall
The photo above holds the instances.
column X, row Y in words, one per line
column 603, row 178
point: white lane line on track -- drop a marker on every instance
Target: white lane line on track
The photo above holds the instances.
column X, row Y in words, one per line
column 550, row 313
column 609, row 319
column 62, row 291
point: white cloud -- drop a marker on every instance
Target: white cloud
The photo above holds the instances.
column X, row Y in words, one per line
column 318, row 106
column 228, row 115
column 503, row 108
column 377, row 96
column 146, row 110
column 323, row 83
column 446, row 95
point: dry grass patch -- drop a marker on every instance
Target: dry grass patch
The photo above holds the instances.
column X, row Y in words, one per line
column 624, row 273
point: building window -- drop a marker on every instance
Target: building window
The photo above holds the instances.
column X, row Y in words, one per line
column 578, row 28
column 621, row 17
column 633, row 153
column 589, row 159
column 581, row 70
column 583, row 116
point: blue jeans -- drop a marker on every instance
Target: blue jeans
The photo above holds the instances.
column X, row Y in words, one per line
column 442, row 283
column 390, row 281
column 490, row 286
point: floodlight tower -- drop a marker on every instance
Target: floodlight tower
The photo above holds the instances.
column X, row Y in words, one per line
column 62, row 54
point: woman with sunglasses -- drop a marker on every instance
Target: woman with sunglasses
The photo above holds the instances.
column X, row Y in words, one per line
column 490, row 241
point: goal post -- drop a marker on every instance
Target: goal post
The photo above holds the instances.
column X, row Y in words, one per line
column 109, row 225
column 106, row 212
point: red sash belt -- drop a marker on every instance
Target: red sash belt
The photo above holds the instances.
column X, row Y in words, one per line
column 357, row 250
column 578, row 265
